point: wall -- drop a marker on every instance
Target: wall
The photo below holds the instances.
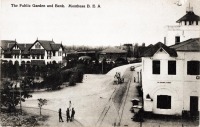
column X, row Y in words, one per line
column 185, row 33
column 180, row 86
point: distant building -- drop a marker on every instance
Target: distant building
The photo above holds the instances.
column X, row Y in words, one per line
column 40, row 52
column 171, row 78
column 111, row 54
column 189, row 27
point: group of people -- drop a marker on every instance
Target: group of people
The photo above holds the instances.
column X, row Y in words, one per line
column 70, row 112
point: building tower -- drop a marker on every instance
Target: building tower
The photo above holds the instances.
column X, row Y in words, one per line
column 189, row 27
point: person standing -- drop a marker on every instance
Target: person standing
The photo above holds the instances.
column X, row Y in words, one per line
column 68, row 114
column 72, row 115
column 60, row 115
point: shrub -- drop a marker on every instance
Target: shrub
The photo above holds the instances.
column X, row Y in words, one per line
column 72, row 81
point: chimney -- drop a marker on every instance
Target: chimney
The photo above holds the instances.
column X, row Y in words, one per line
column 165, row 40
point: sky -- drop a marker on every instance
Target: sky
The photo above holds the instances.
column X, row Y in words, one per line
column 116, row 22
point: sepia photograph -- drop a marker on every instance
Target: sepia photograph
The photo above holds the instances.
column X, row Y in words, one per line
column 99, row 63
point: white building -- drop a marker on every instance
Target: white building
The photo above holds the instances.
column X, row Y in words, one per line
column 188, row 27
column 39, row 53
column 171, row 78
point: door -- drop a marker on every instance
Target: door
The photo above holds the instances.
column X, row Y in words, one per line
column 194, row 105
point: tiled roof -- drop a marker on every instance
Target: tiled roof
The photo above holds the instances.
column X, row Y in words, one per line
column 45, row 44
column 55, row 47
column 24, row 46
column 113, row 50
column 190, row 16
column 141, row 49
column 7, row 44
column 151, row 51
column 191, row 45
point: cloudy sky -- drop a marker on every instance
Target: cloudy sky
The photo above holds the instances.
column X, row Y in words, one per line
column 116, row 22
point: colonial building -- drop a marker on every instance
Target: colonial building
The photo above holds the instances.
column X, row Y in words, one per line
column 39, row 53
column 171, row 78
column 188, row 27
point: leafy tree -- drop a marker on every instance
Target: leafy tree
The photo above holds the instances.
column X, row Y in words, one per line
column 10, row 69
column 41, row 102
column 11, row 96
column 72, row 80
column 16, row 70
column 53, row 81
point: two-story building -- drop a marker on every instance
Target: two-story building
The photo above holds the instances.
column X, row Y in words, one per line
column 41, row 52
column 171, row 78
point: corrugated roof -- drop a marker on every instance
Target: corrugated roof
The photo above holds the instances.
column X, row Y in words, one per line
column 190, row 16
column 190, row 45
column 113, row 50
column 151, row 51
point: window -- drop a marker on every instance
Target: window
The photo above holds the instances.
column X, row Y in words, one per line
column 59, row 53
column 164, row 102
column 54, row 53
column 38, row 56
column 156, row 67
column 185, row 22
column 48, row 54
column 171, row 67
column 42, row 56
column 196, row 22
column 37, row 46
column 193, row 67
column 33, row 57
column 177, row 39
column 190, row 22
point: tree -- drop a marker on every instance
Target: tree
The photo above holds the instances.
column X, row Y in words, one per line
column 16, row 71
column 135, row 52
column 41, row 102
column 12, row 96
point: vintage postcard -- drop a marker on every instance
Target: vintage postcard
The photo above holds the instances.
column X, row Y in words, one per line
column 100, row 63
